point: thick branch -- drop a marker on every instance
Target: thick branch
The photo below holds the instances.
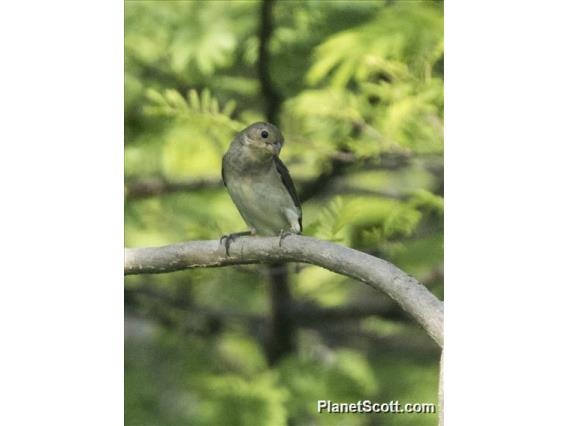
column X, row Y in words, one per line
column 412, row 296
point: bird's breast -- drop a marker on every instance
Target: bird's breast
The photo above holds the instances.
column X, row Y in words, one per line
column 262, row 200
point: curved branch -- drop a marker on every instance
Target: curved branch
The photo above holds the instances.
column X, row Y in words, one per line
column 412, row 296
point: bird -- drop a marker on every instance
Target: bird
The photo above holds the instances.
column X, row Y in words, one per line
column 260, row 185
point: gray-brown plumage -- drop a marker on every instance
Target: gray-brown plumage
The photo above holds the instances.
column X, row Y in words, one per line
column 260, row 184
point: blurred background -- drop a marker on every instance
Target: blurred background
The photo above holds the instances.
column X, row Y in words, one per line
column 357, row 89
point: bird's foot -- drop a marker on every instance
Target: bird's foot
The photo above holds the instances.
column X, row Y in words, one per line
column 284, row 234
column 229, row 238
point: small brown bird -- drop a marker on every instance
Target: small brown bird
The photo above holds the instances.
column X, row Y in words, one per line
column 259, row 183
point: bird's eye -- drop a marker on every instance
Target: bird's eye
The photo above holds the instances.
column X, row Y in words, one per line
column 264, row 134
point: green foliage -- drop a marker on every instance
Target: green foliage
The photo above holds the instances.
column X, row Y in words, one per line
column 400, row 41
column 205, row 107
column 388, row 66
column 332, row 222
column 241, row 353
column 239, row 402
column 362, row 99
column 343, row 376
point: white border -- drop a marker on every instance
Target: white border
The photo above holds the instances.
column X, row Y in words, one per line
column 61, row 168
column 506, row 213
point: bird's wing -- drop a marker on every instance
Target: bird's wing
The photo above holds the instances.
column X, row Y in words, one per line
column 223, row 171
column 289, row 184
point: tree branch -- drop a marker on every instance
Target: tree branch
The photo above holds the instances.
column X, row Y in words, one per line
column 137, row 189
column 153, row 186
column 271, row 96
column 412, row 296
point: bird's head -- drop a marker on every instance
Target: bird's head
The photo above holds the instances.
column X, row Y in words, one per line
column 264, row 139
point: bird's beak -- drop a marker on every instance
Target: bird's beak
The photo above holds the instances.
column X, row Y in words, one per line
column 274, row 147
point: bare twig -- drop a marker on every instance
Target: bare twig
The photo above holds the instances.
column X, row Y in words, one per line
column 152, row 186
column 137, row 189
column 303, row 314
column 412, row 296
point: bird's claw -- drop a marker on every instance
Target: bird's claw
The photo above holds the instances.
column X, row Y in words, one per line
column 228, row 240
column 284, row 234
